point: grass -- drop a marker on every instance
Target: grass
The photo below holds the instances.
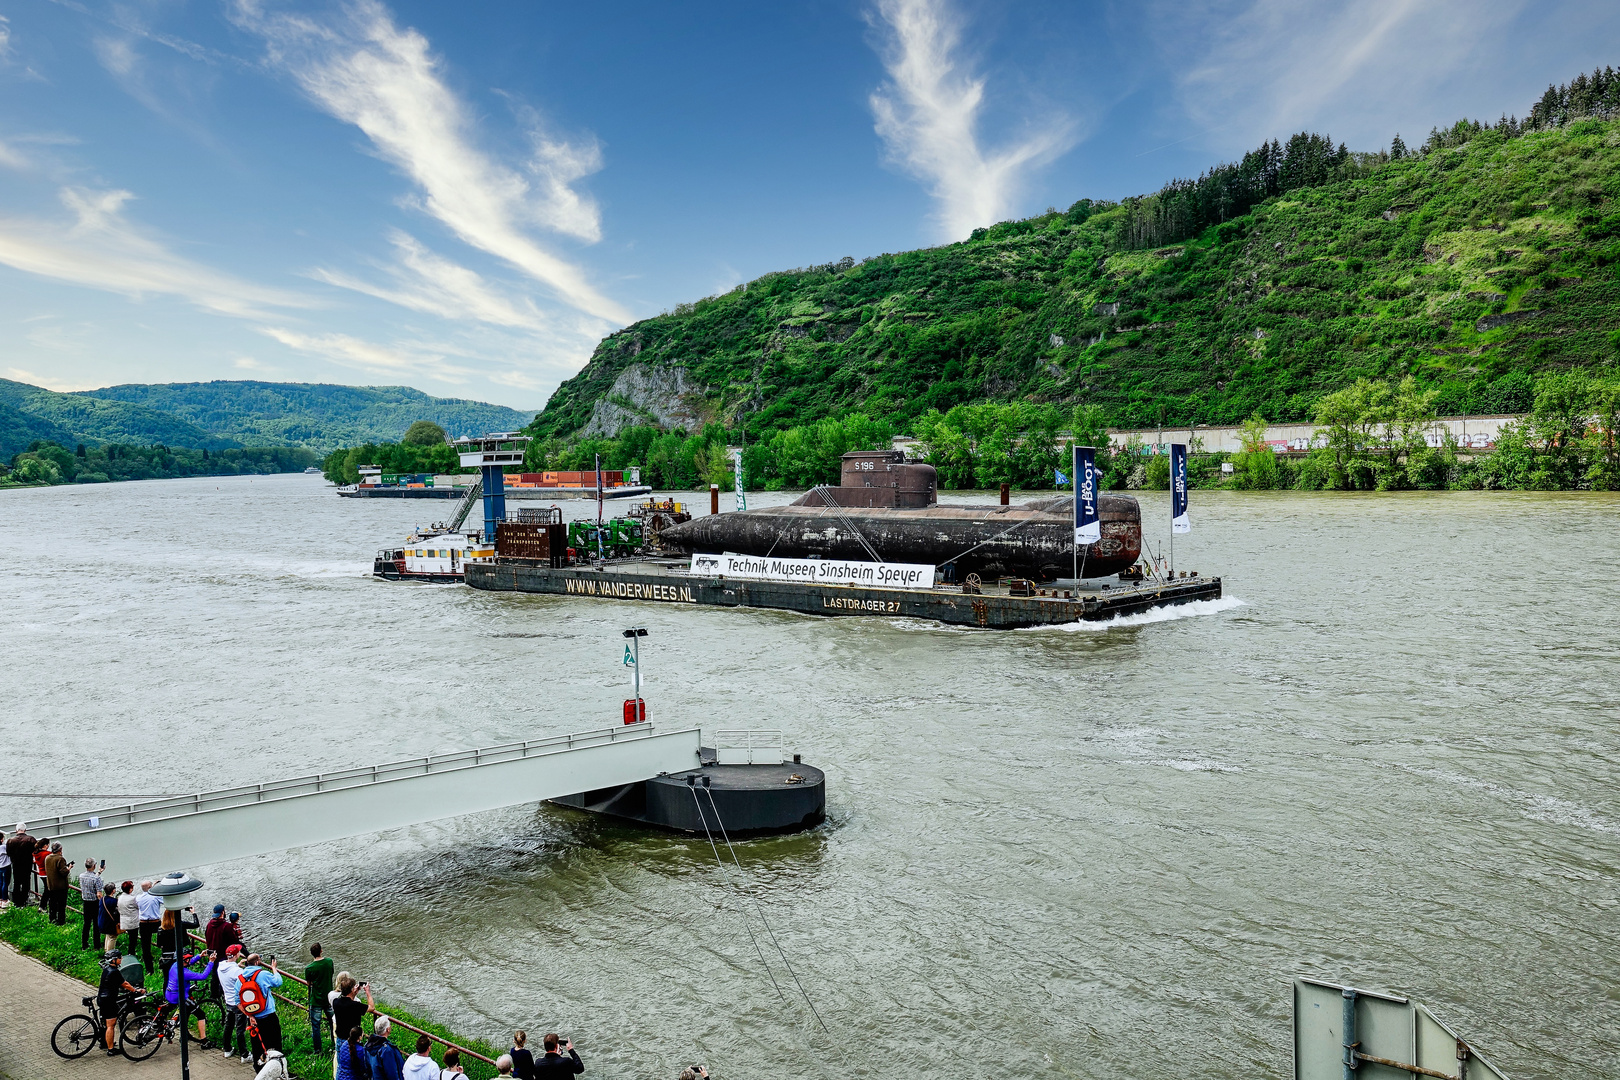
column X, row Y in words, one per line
column 28, row 930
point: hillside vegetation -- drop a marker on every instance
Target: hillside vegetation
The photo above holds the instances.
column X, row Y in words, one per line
column 75, row 418
column 1473, row 264
column 319, row 416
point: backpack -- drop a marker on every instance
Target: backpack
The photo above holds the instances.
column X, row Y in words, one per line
column 250, row 996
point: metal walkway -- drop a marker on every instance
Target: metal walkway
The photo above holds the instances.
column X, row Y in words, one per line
column 196, row 830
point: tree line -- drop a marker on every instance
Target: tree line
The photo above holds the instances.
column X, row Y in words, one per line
column 51, row 463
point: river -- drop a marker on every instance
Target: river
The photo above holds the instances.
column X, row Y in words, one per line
column 1388, row 757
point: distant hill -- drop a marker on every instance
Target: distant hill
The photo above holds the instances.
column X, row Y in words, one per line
column 91, row 420
column 320, row 416
column 18, row 429
column 1478, row 260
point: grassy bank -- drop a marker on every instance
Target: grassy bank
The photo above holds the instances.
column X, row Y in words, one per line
column 58, row 946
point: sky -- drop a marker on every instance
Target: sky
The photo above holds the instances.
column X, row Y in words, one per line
column 465, row 198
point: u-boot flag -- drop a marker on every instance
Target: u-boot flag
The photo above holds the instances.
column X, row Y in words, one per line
column 1178, row 489
column 1087, row 527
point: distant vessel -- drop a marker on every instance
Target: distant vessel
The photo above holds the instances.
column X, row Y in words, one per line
column 312, row 470
column 551, row 486
column 376, row 484
column 435, row 554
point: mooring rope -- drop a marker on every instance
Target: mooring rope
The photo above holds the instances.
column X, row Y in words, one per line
column 746, row 924
column 760, row 907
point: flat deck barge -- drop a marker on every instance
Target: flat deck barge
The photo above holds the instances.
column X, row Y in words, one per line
column 993, row 608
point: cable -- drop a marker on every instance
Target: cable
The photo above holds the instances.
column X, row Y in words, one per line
column 760, row 908
column 746, row 925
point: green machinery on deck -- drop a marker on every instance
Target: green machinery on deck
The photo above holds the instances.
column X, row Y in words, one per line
column 614, row 539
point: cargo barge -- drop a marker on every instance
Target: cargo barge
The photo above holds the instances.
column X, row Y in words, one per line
column 1011, row 606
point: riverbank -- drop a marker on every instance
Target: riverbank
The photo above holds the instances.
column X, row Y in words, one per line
column 57, row 947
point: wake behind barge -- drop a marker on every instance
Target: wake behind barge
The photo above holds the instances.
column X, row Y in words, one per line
column 994, row 607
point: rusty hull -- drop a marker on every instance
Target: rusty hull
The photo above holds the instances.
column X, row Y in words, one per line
column 1030, row 541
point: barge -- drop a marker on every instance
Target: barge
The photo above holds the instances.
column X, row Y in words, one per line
column 1010, row 606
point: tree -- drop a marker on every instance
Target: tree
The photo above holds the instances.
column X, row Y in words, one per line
column 425, row 433
column 1397, row 148
column 1255, row 466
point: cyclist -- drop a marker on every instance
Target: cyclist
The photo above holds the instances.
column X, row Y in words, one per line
column 112, row 984
column 171, row 992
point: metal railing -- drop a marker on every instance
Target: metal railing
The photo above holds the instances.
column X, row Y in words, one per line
column 67, row 825
column 741, row 746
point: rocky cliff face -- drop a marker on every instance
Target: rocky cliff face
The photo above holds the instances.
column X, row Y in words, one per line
column 664, row 396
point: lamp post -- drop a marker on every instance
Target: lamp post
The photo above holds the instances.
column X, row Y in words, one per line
column 635, row 635
column 175, row 888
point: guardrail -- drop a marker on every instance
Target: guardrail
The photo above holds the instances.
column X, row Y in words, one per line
column 67, row 825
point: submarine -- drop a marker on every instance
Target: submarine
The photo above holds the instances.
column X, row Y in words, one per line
column 888, row 509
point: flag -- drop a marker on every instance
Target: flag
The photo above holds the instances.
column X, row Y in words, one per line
column 1061, row 479
column 629, row 657
column 1087, row 527
column 1178, row 489
column 737, row 469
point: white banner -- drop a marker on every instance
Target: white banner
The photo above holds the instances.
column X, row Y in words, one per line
column 885, row 575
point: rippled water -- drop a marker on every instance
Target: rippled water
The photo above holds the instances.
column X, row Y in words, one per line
column 1388, row 757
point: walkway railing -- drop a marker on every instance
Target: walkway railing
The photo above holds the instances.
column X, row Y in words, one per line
column 66, row 825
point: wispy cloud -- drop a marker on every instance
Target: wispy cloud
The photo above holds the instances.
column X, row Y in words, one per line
column 1256, row 69
column 5, row 38
column 427, row 282
column 928, row 116
column 101, row 249
column 410, row 360
column 366, row 71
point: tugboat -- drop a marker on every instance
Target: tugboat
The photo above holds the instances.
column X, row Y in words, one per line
column 437, row 554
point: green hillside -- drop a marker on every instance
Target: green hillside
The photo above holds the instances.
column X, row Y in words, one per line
column 90, row 420
column 19, row 429
column 319, row 416
column 1475, row 263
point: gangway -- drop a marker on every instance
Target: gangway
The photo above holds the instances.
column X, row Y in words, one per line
column 468, row 501
column 254, row 819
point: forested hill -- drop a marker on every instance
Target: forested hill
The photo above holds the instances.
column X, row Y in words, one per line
column 1473, row 261
column 319, row 416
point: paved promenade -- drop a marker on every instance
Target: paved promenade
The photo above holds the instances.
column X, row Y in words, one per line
column 33, row 998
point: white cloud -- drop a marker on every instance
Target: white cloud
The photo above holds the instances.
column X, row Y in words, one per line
column 364, row 70
column 406, row 360
column 12, row 158
column 103, row 250
column 928, row 116
column 425, row 281
column 5, row 37
column 1258, row 69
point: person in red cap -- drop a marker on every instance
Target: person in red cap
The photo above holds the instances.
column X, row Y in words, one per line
column 230, row 988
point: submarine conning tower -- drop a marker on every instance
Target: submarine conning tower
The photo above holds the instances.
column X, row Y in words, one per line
column 879, row 478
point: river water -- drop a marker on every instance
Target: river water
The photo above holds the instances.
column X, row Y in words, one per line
column 1388, row 758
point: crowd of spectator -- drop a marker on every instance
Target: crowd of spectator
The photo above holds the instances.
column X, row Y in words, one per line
column 123, row 923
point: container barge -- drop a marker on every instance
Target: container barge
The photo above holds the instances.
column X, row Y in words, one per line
column 1008, row 606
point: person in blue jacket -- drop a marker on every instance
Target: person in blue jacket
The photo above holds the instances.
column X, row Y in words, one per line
column 171, row 992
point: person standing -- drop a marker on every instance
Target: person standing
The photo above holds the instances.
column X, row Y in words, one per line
column 554, row 1066
column 5, row 873
column 129, row 918
column 386, row 1062
column 522, row 1056
column 42, row 849
column 318, row 974
column 21, row 850
column 230, row 989
column 150, row 906
column 57, row 869
column 112, row 986
column 266, row 1024
column 349, row 1060
column 347, row 1012
column 107, row 916
column 452, row 1065
column 420, row 1065
column 90, row 895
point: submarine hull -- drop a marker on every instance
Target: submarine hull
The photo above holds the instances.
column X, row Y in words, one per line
column 991, row 541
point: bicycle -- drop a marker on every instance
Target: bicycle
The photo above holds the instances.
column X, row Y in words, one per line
column 139, row 1036
column 77, row 1035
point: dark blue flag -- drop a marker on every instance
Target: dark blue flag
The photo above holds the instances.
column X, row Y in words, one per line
column 1178, row 489
column 1087, row 528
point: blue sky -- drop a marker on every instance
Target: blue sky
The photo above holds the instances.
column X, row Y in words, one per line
column 465, row 197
